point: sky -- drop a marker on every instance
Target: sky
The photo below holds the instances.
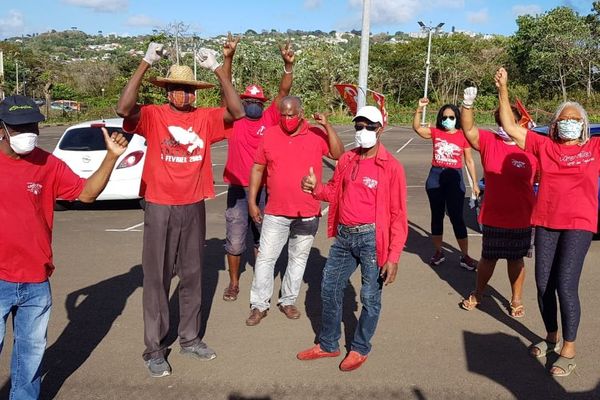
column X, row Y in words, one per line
column 210, row 18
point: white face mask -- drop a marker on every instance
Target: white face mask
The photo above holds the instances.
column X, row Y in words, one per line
column 365, row 138
column 569, row 129
column 23, row 143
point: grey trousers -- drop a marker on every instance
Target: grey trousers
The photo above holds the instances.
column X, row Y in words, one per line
column 173, row 244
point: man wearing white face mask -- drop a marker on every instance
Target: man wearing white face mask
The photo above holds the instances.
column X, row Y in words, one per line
column 30, row 181
column 367, row 216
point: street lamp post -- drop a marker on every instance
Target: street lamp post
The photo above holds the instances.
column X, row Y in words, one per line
column 102, row 92
column 430, row 30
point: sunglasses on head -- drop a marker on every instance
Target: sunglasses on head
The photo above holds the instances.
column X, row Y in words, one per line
column 451, row 117
column 369, row 127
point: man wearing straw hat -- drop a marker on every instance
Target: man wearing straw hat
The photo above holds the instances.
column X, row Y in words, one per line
column 243, row 144
column 177, row 177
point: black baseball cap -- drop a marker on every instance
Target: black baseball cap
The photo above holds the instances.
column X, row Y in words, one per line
column 20, row 110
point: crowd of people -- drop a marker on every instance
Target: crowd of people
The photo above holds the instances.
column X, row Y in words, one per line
column 274, row 172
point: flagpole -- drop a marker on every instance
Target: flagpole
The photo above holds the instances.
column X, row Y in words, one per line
column 363, row 69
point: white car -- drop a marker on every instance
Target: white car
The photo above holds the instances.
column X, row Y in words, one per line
column 83, row 148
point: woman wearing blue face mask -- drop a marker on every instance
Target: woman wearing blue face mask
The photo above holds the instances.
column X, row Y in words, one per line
column 565, row 216
column 445, row 186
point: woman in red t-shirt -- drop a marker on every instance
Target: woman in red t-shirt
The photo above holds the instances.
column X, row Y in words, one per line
column 445, row 186
column 509, row 173
column 565, row 217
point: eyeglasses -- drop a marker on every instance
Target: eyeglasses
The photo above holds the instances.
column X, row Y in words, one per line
column 451, row 117
column 369, row 127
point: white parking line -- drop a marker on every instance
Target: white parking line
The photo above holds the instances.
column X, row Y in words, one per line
column 220, row 194
column 325, row 211
column 405, row 144
column 130, row 229
column 218, row 147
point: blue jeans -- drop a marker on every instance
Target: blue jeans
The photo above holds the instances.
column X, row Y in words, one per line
column 30, row 305
column 348, row 250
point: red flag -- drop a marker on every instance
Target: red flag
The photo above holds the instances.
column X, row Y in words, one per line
column 350, row 95
column 380, row 100
column 526, row 121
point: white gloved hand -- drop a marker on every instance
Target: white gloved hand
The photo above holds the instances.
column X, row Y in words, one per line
column 207, row 58
column 154, row 53
column 469, row 96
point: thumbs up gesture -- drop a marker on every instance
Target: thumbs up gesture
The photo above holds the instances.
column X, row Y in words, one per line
column 309, row 182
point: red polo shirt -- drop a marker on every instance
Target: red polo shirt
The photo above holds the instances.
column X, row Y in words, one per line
column 288, row 159
column 28, row 188
column 178, row 168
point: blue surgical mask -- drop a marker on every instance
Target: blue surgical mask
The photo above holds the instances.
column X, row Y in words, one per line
column 253, row 110
column 569, row 129
column 449, row 123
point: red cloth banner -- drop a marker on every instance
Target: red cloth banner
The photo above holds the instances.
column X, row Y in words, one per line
column 380, row 100
column 526, row 121
column 350, row 95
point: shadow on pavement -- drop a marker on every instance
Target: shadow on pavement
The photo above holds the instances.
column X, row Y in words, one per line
column 463, row 282
column 236, row 396
column 214, row 254
column 89, row 322
column 504, row 359
column 313, row 276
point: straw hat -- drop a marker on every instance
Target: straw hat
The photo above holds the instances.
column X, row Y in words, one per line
column 180, row 75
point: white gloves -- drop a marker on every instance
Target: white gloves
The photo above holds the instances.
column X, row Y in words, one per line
column 207, row 58
column 154, row 53
column 469, row 96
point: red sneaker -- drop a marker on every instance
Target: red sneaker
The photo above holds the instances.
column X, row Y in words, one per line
column 352, row 361
column 315, row 352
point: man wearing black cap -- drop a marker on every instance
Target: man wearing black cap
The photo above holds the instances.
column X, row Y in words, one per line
column 176, row 180
column 30, row 181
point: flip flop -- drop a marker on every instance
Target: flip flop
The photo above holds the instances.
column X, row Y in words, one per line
column 470, row 303
column 545, row 347
column 567, row 365
column 517, row 311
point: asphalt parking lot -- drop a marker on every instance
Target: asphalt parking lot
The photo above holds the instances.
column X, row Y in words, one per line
column 425, row 346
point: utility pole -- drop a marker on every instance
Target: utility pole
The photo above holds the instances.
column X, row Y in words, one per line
column 17, row 71
column 430, row 30
column 363, row 68
column 1, row 75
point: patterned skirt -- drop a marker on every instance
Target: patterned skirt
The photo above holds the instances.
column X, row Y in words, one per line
column 502, row 243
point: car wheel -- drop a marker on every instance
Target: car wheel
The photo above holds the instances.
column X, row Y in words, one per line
column 60, row 206
column 142, row 203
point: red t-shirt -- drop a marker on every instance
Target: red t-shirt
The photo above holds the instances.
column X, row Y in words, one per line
column 178, row 168
column 359, row 195
column 509, row 174
column 28, row 188
column 448, row 148
column 288, row 159
column 243, row 143
column 568, row 192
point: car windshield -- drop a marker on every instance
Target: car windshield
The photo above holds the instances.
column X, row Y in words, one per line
column 87, row 139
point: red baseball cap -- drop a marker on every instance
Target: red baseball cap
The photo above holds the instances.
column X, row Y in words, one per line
column 254, row 92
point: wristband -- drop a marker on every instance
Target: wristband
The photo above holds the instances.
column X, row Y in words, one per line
column 467, row 106
column 286, row 71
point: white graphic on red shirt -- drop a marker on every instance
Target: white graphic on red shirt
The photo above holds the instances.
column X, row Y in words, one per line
column 583, row 157
column 186, row 137
column 518, row 164
column 254, row 90
column 370, row 182
column 261, row 130
column 446, row 152
column 34, row 187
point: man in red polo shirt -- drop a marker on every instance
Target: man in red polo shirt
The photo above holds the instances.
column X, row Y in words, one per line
column 31, row 179
column 176, row 180
column 243, row 143
column 286, row 152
